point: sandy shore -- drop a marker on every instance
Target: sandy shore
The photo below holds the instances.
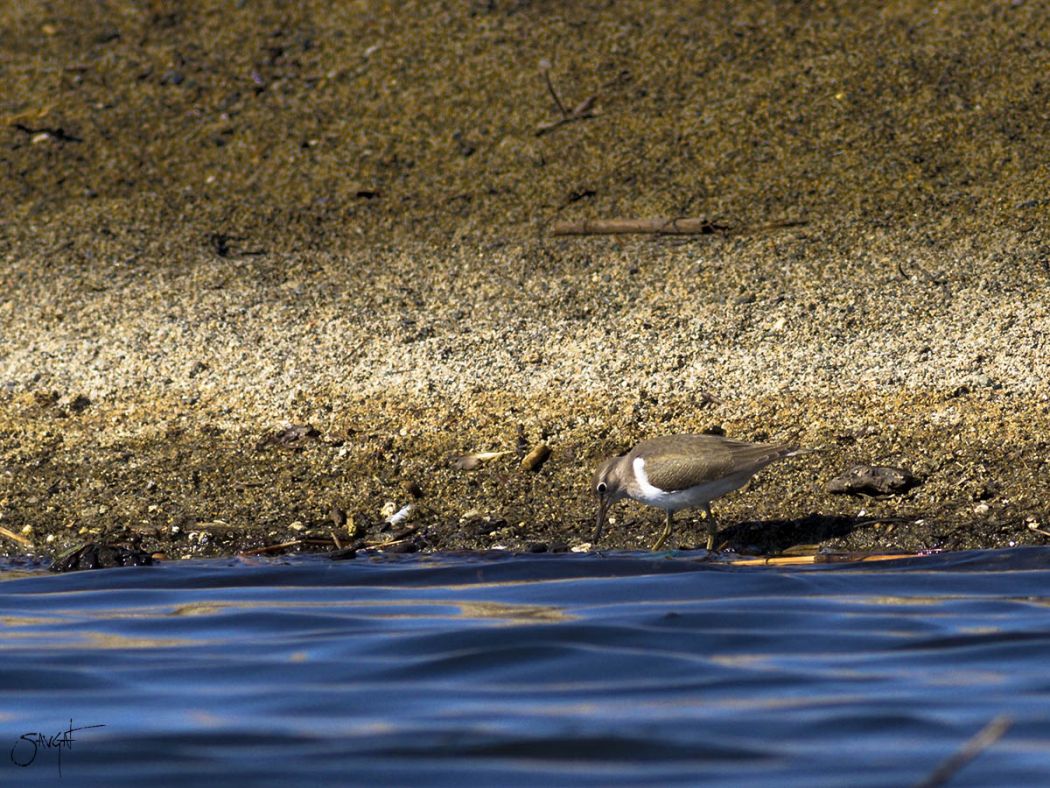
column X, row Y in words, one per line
column 219, row 225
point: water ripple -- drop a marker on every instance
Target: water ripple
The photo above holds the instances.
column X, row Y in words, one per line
column 625, row 669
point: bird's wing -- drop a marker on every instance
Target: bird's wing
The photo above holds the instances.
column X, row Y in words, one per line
column 686, row 462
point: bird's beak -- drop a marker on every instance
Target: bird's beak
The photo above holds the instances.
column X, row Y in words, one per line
column 603, row 504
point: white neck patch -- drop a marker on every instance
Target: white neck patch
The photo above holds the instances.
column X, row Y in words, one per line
column 649, row 493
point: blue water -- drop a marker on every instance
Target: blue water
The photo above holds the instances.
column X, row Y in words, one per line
column 624, row 669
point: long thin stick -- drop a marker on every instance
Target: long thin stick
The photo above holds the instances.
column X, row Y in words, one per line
column 820, row 558
column 545, row 67
column 16, row 537
column 659, row 226
column 274, row 548
column 985, row 738
column 662, row 226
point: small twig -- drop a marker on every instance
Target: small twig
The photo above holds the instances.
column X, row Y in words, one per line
column 272, row 548
column 15, row 537
column 661, row 226
column 582, row 111
column 820, row 558
column 1037, row 529
column 55, row 132
column 388, row 543
column 707, row 398
column 929, row 277
column 545, row 68
column 338, row 544
column 877, row 520
column 981, row 741
column 468, row 462
column 395, row 538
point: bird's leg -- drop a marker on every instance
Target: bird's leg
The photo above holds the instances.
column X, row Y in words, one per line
column 712, row 528
column 666, row 533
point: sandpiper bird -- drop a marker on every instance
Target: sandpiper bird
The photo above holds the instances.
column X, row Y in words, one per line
column 682, row 472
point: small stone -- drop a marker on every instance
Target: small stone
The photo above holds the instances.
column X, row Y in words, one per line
column 981, row 380
column 293, row 436
column 78, row 404
column 354, row 529
column 338, row 516
column 872, row 480
column 400, row 515
column 94, row 555
column 535, row 459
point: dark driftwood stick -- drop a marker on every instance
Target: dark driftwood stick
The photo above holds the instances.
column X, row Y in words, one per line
column 651, row 226
column 981, row 741
column 660, row 227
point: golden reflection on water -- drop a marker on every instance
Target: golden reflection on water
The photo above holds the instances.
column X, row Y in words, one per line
column 53, row 631
column 107, row 640
column 907, row 600
column 514, row 613
column 500, row 610
column 81, row 639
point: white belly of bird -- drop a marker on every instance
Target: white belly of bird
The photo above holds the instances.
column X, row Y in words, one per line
column 690, row 497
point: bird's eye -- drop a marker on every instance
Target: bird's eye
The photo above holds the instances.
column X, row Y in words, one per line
column 601, row 487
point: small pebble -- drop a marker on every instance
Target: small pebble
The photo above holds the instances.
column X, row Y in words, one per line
column 535, row 459
column 872, row 480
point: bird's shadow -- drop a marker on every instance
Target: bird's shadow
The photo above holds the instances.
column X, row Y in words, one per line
column 769, row 537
